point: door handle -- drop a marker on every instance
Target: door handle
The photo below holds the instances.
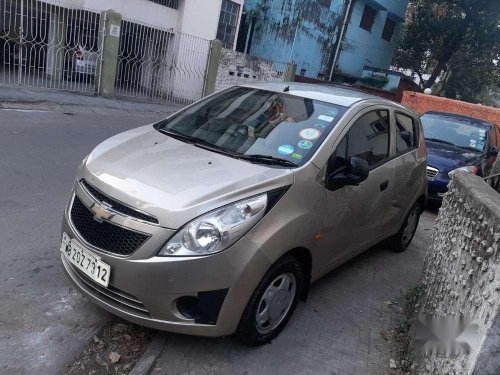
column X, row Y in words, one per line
column 384, row 185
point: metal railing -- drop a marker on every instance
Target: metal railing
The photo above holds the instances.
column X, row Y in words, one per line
column 174, row 4
column 49, row 45
column 494, row 181
column 158, row 65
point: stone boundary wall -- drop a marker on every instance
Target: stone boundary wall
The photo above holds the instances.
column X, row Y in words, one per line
column 461, row 274
column 237, row 68
column 422, row 103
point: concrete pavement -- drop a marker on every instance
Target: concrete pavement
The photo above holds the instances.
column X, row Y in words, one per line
column 13, row 97
column 44, row 322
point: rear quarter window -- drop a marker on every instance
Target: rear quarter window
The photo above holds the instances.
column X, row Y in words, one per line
column 406, row 133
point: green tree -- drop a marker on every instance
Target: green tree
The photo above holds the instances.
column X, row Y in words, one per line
column 455, row 40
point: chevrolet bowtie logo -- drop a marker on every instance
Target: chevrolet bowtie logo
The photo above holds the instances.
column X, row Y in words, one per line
column 102, row 211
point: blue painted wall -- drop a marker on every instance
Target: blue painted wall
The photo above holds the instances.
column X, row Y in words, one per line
column 299, row 31
column 362, row 47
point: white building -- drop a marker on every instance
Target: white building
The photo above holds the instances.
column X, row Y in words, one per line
column 163, row 45
column 205, row 19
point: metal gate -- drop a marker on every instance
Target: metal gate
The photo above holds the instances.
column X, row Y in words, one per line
column 50, row 46
column 160, row 65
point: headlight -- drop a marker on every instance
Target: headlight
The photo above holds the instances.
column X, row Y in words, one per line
column 466, row 169
column 217, row 230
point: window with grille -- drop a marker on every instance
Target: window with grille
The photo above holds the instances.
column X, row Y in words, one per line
column 368, row 18
column 174, row 4
column 388, row 29
column 325, row 3
column 228, row 21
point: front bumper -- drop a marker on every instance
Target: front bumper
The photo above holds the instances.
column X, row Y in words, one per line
column 144, row 288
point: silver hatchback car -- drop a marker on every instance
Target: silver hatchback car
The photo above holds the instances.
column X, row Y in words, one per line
column 216, row 220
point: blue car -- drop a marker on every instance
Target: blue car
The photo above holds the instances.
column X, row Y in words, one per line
column 456, row 143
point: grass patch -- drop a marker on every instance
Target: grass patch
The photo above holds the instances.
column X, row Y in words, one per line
column 400, row 335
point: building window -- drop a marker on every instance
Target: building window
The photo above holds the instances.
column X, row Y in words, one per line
column 368, row 18
column 174, row 4
column 228, row 20
column 302, row 72
column 388, row 29
column 325, row 3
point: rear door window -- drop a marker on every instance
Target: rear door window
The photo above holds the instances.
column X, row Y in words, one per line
column 406, row 134
column 368, row 138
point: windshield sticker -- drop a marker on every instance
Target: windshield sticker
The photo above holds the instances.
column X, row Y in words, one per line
column 480, row 146
column 482, row 132
column 321, row 126
column 325, row 118
column 310, row 134
column 286, row 149
column 305, row 145
column 332, row 112
column 296, row 155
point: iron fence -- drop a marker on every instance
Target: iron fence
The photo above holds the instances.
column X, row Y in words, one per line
column 48, row 45
column 160, row 65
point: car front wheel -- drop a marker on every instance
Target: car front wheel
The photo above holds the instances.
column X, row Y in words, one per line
column 402, row 239
column 272, row 303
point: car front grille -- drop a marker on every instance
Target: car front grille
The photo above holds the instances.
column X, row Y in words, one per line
column 118, row 206
column 111, row 295
column 104, row 235
column 432, row 172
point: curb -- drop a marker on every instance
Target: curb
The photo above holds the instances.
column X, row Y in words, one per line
column 151, row 354
column 82, row 108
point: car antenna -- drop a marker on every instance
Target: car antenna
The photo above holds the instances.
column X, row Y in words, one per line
column 286, row 89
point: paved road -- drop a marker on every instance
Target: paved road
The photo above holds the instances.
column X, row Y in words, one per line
column 43, row 321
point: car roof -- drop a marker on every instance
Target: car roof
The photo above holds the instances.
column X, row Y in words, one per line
column 461, row 118
column 329, row 93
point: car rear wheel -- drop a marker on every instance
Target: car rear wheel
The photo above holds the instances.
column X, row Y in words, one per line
column 402, row 239
column 272, row 303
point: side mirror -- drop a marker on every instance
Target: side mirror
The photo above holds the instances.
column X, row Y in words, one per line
column 356, row 172
column 493, row 151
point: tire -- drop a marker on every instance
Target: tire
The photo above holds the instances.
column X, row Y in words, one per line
column 401, row 240
column 251, row 331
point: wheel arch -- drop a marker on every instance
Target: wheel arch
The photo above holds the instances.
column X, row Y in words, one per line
column 304, row 257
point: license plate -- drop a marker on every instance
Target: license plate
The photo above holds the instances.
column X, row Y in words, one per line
column 85, row 261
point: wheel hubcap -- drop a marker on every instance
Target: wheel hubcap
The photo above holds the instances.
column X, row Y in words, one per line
column 411, row 226
column 275, row 302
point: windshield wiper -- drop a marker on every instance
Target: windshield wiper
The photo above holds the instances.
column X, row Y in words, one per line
column 267, row 159
column 211, row 147
column 440, row 141
column 199, row 143
column 179, row 136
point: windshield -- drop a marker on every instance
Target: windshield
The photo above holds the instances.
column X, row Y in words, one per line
column 257, row 125
column 458, row 133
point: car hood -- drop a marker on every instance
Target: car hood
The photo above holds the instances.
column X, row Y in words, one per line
column 447, row 157
column 173, row 180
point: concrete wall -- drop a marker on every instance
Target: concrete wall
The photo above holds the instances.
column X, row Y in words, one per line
column 238, row 68
column 362, row 47
column 201, row 17
column 461, row 274
column 298, row 31
column 422, row 103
